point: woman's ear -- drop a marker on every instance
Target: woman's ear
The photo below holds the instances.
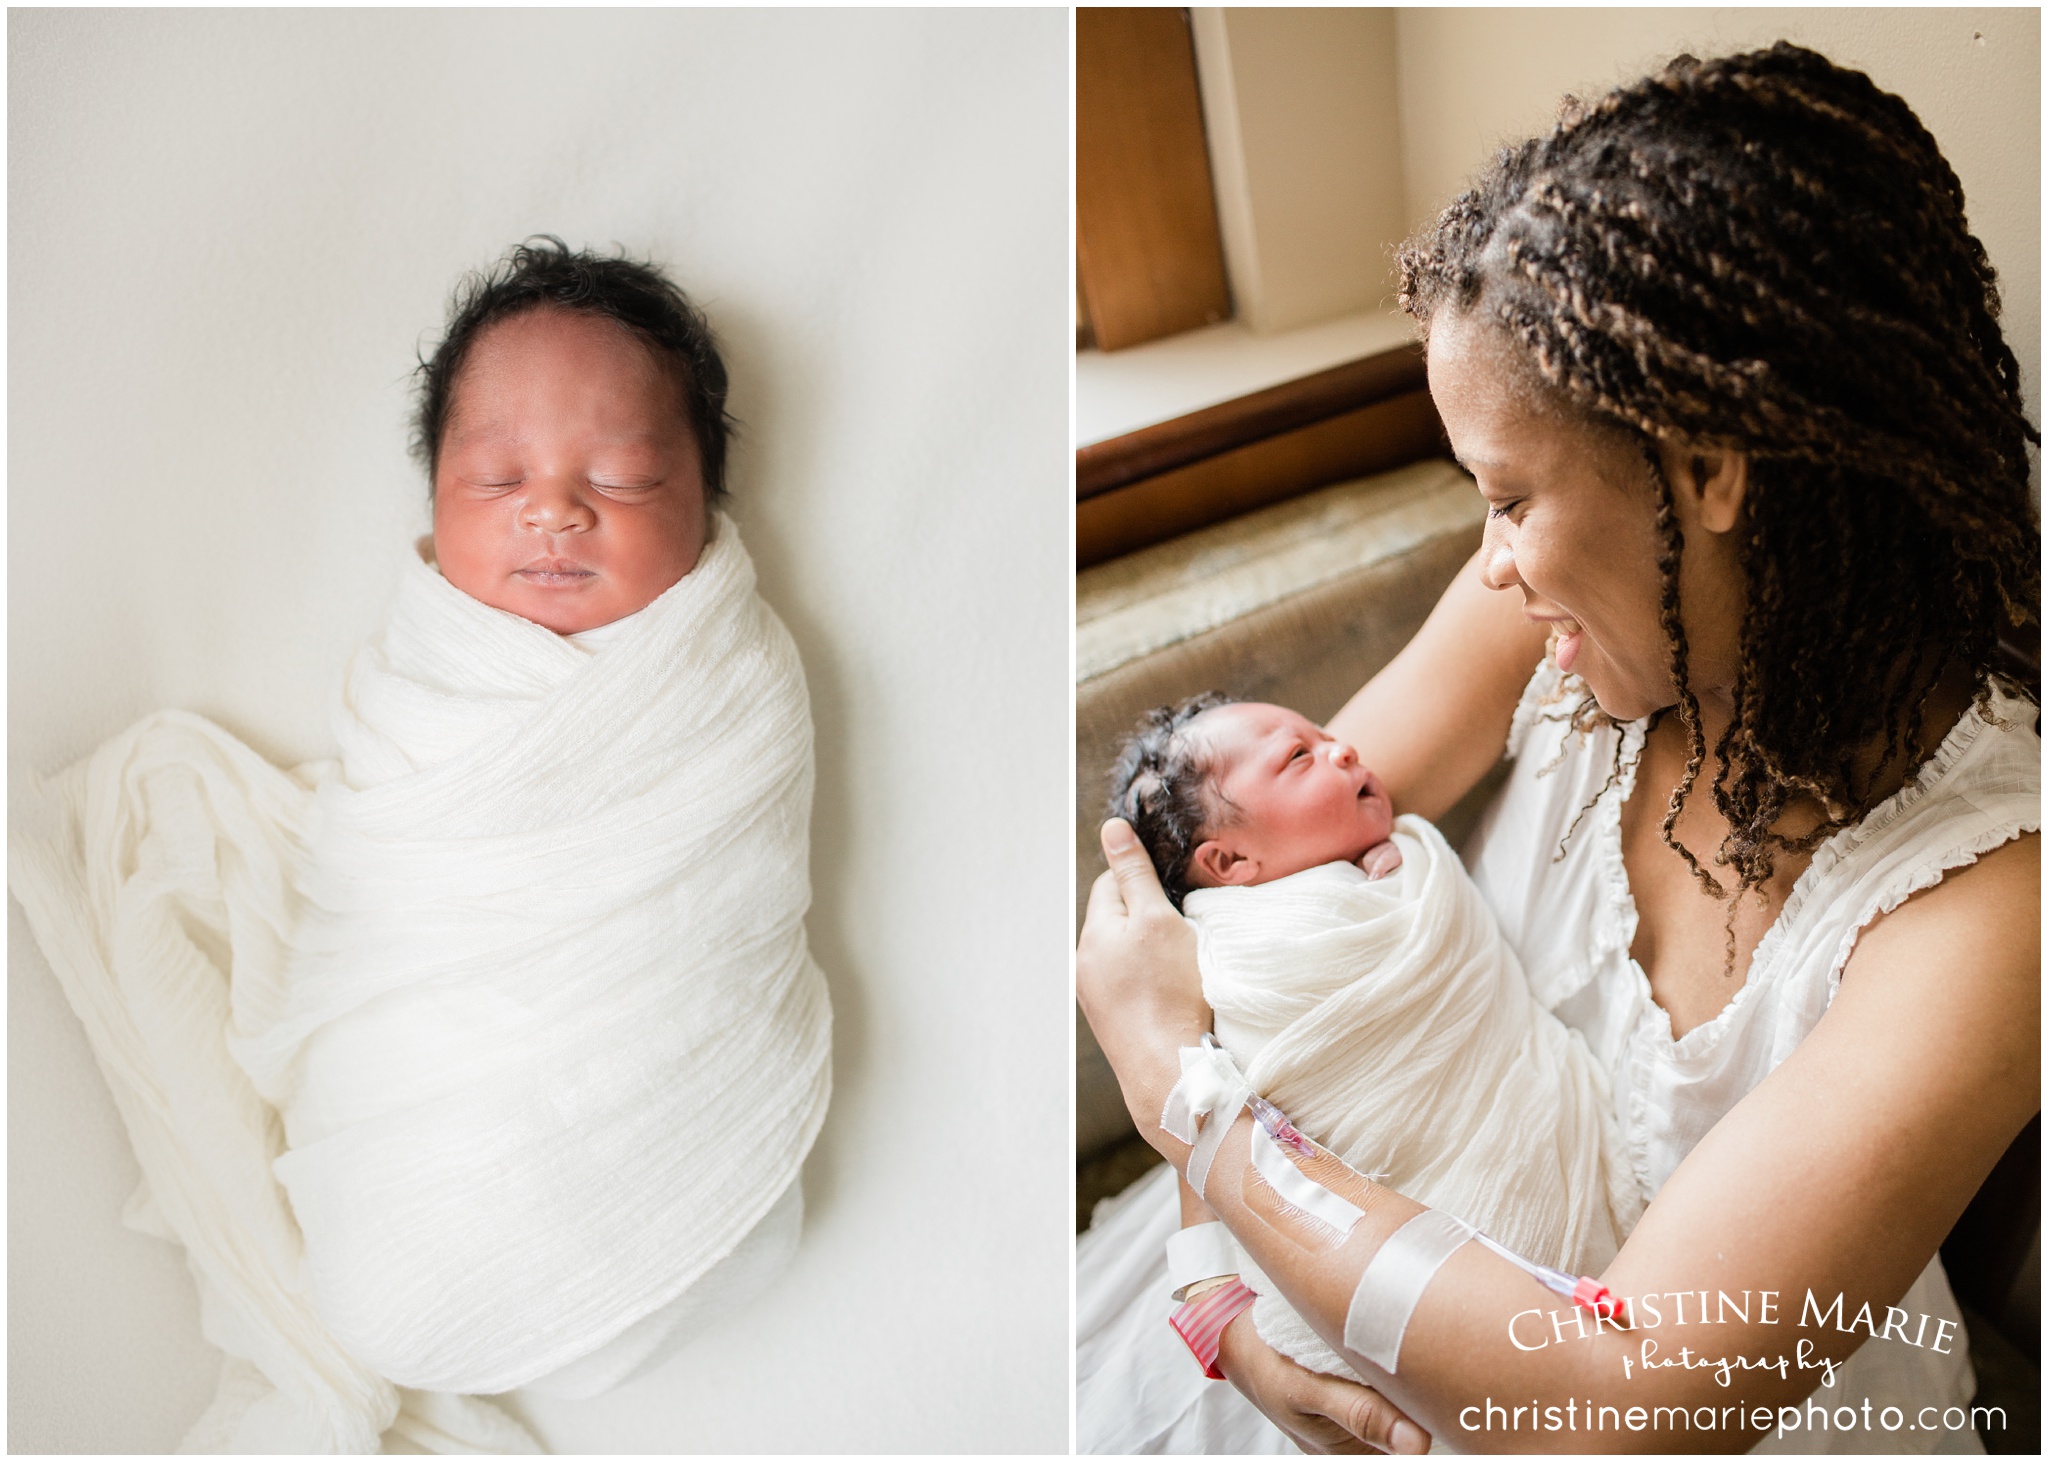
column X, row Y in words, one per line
column 1216, row 866
column 1711, row 484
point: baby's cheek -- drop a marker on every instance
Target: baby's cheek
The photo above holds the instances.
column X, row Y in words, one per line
column 653, row 553
column 465, row 561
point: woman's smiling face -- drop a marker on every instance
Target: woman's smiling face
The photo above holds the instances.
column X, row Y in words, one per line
column 569, row 488
column 1572, row 526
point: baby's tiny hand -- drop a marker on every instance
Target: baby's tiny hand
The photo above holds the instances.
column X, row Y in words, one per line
column 1380, row 859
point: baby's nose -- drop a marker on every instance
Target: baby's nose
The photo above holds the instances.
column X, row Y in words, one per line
column 554, row 510
column 1341, row 755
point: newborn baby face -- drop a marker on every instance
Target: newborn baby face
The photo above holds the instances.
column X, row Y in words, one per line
column 569, row 490
column 1288, row 797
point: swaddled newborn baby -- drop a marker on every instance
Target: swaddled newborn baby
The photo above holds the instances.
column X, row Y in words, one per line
column 1363, row 987
column 488, row 1055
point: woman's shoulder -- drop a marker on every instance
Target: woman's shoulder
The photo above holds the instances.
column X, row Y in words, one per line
column 1987, row 893
column 1976, row 795
column 1945, row 989
column 1947, row 867
column 1975, row 923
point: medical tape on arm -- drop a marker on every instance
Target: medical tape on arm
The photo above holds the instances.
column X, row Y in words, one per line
column 1298, row 1188
column 1393, row 1283
column 1210, row 1087
column 1198, row 1252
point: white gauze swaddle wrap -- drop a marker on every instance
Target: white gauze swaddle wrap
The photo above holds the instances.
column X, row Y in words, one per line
column 1392, row 1023
column 514, row 1005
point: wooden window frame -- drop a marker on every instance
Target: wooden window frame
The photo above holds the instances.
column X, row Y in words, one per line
column 1149, row 249
column 1365, row 416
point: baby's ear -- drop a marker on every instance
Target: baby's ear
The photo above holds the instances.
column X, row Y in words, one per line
column 1215, row 866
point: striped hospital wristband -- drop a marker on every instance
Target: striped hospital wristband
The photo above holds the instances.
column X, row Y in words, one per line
column 1201, row 1323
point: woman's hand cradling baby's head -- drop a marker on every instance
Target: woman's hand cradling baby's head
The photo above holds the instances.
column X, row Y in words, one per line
column 568, row 488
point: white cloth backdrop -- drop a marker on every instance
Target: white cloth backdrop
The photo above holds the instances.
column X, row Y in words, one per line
column 228, row 231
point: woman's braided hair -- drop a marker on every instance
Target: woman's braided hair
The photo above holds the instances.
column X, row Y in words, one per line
column 1158, row 787
column 1767, row 254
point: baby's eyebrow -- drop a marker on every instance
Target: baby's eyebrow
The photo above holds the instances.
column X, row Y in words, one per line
column 485, row 432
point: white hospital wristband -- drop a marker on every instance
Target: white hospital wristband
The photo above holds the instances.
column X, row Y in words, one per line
column 1198, row 1252
column 1393, row 1283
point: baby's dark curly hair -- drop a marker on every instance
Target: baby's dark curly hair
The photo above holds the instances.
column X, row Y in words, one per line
column 545, row 272
column 1158, row 788
column 1767, row 254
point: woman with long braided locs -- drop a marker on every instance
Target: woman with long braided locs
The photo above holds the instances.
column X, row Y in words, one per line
column 1766, row 254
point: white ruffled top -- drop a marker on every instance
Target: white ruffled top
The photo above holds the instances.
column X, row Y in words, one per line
column 1572, row 920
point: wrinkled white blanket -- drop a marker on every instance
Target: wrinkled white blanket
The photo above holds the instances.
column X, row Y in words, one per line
column 451, row 1062
column 1392, row 1023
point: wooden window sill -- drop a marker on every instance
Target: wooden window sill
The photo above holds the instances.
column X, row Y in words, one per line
column 1123, row 391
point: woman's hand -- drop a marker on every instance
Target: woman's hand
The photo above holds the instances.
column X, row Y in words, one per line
column 1318, row 1413
column 1135, row 976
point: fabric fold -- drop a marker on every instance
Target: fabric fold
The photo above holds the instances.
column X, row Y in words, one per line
column 449, row 1062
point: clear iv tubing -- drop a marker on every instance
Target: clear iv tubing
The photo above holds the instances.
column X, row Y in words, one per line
column 1277, row 1126
column 1587, row 1294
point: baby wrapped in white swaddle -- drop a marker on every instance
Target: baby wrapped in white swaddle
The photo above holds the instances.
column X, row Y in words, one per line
column 491, row 1052
column 1364, row 988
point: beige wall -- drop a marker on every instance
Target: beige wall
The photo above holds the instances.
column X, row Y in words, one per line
column 1332, row 133
column 1470, row 80
column 1300, row 105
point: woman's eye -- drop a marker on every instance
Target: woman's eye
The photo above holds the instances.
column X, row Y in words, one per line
column 1500, row 510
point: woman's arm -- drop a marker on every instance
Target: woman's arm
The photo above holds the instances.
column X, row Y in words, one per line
column 1435, row 719
column 1318, row 1413
column 1839, row 1174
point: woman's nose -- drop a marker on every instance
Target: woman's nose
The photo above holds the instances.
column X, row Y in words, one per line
column 1497, row 559
column 556, row 508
